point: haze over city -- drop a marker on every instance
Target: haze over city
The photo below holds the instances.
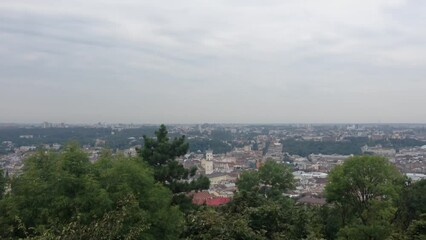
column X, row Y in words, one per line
column 213, row 61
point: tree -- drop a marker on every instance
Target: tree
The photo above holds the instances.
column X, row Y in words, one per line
column 366, row 189
column 258, row 210
column 2, row 183
column 272, row 179
column 121, row 176
column 53, row 188
column 276, row 176
column 215, row 224
column 248, row 181
column 412, row 204
column 417, row 229
column 63, row 195
column 161, row 153
column 125, row 222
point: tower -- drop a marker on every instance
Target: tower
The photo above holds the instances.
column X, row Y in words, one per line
column 207, row 163
column 209, row 155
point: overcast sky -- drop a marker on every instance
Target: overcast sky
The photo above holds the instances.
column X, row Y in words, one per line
column 216, row 61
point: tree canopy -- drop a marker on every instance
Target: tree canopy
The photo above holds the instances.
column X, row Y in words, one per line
column 270, row 180
column 259, row 210
column 2, row 183
column 161, row 153
column 63, row 194
column 366, row 188
column 412, row 208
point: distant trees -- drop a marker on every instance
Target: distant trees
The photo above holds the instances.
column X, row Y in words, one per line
column 304, row 148
column 201, row 144
column 349, row 146
column 84, row 135
column 366, row 190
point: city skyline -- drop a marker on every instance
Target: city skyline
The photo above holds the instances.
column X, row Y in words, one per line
column 216, row 62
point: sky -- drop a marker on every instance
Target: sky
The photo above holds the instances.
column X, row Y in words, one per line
column 213, row 61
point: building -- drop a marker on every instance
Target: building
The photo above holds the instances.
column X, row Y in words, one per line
column 209, row 199
column 207, row 163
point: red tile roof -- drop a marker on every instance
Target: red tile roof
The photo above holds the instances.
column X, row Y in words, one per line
column 208, row 199
column 217, row 201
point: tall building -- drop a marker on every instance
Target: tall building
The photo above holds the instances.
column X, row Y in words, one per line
column 209, row 155
column 207, row 163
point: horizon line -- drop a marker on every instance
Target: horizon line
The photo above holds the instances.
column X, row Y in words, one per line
column 220, row 123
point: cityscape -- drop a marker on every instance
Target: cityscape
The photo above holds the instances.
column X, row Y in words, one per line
column 213, row 120
column 222, row 151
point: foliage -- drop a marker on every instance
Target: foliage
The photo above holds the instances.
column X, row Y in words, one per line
column 412, row 204
column 364, row 194
column 84, row 135
column 417, row 229
column 221, row 135
column 160, row 153
column 249, row 181
column 212, row 224
column 349, row 146
column 2, row 183
column 258, row 211
column 63, row 194
column 202, row 145
column 121, row 176
column 330, row 218
column 366, row 188
column 271, row 180
column 121, row 223
column 304, row 148
column 251, row 216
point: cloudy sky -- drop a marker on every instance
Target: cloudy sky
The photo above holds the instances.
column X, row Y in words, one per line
column 215, row 61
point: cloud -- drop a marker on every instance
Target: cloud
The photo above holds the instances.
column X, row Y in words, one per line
column 206, row 61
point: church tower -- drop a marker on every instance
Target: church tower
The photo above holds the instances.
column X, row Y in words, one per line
column 207, row 163
column 209, row 155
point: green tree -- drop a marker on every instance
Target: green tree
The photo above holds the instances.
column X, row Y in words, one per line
column 271, row 180
column 249, row 181
column 160, row 153
column 417, row 229
column 64, row 196
column 121, row 176
column 276, row 176
column 52, row 189
column 2, row 183
column 366, row 189
column 269, row 213
column 274, row 218
column 212, row 223
column 258, row 210
column 125, row 222
column 412, row 204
